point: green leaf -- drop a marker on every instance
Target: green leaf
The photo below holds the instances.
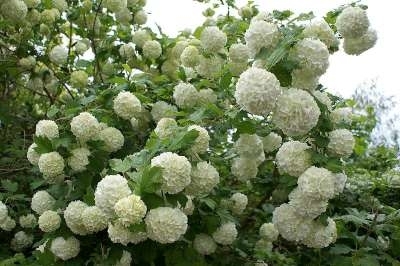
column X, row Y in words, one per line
column 88, row 198
column 121, row 166
column 149, row 181
column 339, row 249
column 282, row 15
column 177, row 199
column 140, row 227
column 184, row 140
column 53, row 110
column 44, row 145
column 9, row 185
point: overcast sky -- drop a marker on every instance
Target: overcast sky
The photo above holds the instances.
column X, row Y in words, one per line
column 345, row 72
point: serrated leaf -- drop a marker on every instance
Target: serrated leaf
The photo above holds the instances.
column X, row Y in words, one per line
column 53, row 110
column 44, row 145
column 121, row 166
column 339, row 249
column 149, row 181
column 9, row 185
column 183, row 140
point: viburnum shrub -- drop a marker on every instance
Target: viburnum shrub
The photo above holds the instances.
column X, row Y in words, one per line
column 216, row 147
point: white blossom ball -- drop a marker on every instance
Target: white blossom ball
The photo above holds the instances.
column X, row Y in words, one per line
column 176, row 171
column 140, row 37
column 166, row 128
column 210, row 67
column 81, row 47
column 296, row 112
column 109, row 191
column 162, row 109
column 239, row 52
column 244, row 168
column 293, row 158
column 357, row 46
column 112, row 138
column 3, row 212
column 125, row 260
column 65, row 249
column 47, row 128
column 61, row 5
column 152, row 49
column 140, row 17
column 249, row 145
column 257, row 91
column 32, row 3
column 126, row 105
column 268, row 232
column 237, row 68
column 126, row 51
column 190, row 56
column 261, row 34
column 341, row 143
column 42, row 201
column 73, row 217
column 322, row 236
column 177, row 50
column 204, row 177
column 79, row 79
column 201, row 143
column 225, row 234
column 353, row 22
column 49, row 17
column 340, row 182
column 51, row 164
column 204, row 244
column 207, row 96
column 263, row 245
column 189, row 206
column 341, row 115
column 32, row 155
column 317, row 183
column 49, row 221
column 305, row 206
column 121, row 234
column 271, row 142
column 304, row 79
column 94, row 219
column 311, row 54
column 58, row 55
column 27, row 221
column 213, row 39
column 238, row 203
column 321, row 30
column 14, row 10
column 323, row 97
column 165, row 224
column 124, row 16
column 8, row 224
column 185, row 95
column 85, row 126
column 21, row 240
column 130, row 210
column 27, row 63
column 114, row 5
column 79, row 159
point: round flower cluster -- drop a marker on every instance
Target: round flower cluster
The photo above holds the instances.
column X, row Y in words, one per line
column 115, row 5
column 250, row 146
column 204, row 177
column 356, row 46
column 207, row 96
column 48, row 17
column 65, row 249
column 140, row 17
column 213, row 39
column 21, row 240
column 177, row 50
column 140, row 37
column 340, row 182
column 204, row 244
column 8, row 224
column 175, row 171
column 293, row 158
column 79, row 79
column 166, row 128
column 244, row 168
column 239, row 52
column 269, row 232
column 125, row 260
column 352, row 22
column 47, row 128
column 237, row 68
column 126, row 105
column 121, row 234
column 3, row 212
column 32, row 3
column 238, row 203
column 261, row 34
column 94, row 219
column 162, row 109
column 126, row 51
column 49, row 221
column 42, row 201
column 201, row 143
column 209, row 67
column 27, row 62
column 190, row 56
column 323, row 97
column 73, row 217
column 112, row 138
column 51, row 164
column 14, row 10
column 321, row 30
column 296, row 112
column 257, row 91
column 271, row 142
column 123, row 16
column 341, row 116
column 32, row 155
column 341, row 143
column 225, row 234
column 130, row 210
column 79, row 159
column 152, row 49
column 84, row 126
column 165, row 224
column 185, row 95
column 61, row 5
column 322, row 236
column 109, row 191
column 306, row 206
column 58, row 55
column 317, row 183
column 27, row 221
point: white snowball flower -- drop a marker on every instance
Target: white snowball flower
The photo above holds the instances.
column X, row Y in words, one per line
column 271, row 142
column 126, row 105
column 112, row 138
column 175, row 171
column 84, row 126
column 65, row 249
column 32, row 155
column 124, row 16
column 140, row 37
column 47, row 128
column 51, row 164
column 204, row 244
column 213, row 39
column 14, row 10
column 165, row 224
column 27, row 221
column 293, row 158
column 79, row 159
column 340, row 182
column 263, row 245
column 269, row 232
column 257, row 91
column 58, row 55
column 261, row 34
column 357, row 46
column 189, row 206
column 125, row 260
column 352, row 22
column 3, row 212
column 296, row 112
column 311, row 54
column 239, row 52
column 177, row 50
column 190, row 56
column 27, row 63
column 79, row 79
column 162, row 109
column 140, row 17
column 21, row 240
column 109, row 191
column 185, row 95
column 49, row 221
column 305, row 206
column 81, row 47
column 73, row 217
column 127, row 51
column 322, row 236
column 341, row 143
column 263, row 15
column 210, row 67
column 42, row 201
column 239, row 202
column 244, row 168
column 32, row 3
column 321, row 30
column 8, row 224
column 130, row 210
column 245, row 12
column 114, row 5
column 250, row 146
column 204, row 177
column 341, row 116
column 201, row 143
column 323, row 98
column 152, row 49
column 207, row 96
column 61, row 5
column 317, row 183
column 166, row 128
column 94, row 219
column 304, row 79
column 225, row 234
column 121, row 234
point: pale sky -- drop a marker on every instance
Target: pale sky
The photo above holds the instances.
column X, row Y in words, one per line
column 345, row 72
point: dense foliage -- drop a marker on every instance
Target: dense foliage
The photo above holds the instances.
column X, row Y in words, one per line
column 124, row 146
